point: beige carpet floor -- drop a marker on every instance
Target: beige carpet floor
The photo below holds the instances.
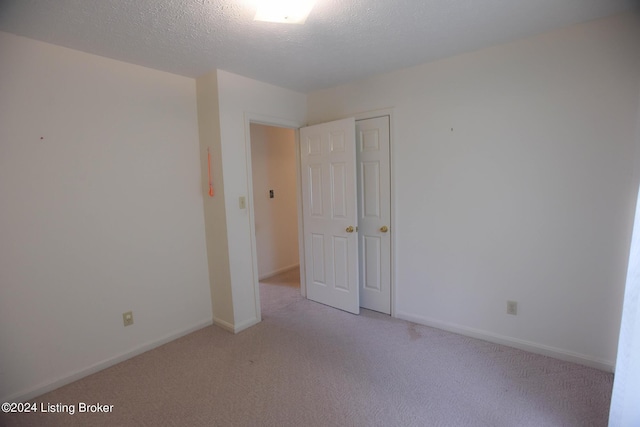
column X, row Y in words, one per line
column 310, row 365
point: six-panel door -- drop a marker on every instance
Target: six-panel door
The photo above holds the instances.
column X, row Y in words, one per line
column 328, row 168
column 374, row 213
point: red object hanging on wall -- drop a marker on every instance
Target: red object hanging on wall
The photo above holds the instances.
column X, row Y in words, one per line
column 209, row 169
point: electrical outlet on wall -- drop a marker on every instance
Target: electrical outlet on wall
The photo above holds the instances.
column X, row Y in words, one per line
column 127, row 318
column 512, row 307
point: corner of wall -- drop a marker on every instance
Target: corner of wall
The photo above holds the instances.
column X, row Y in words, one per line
column 214, row 206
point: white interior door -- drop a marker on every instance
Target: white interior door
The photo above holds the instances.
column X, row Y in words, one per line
column 329, row 213
column 374, row 213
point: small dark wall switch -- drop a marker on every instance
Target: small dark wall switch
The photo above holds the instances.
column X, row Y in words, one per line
column 271, row 194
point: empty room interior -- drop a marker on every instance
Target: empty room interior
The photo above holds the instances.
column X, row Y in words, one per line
column 349, row 213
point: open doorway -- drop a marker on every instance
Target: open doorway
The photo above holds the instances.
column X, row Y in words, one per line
column 275, row 210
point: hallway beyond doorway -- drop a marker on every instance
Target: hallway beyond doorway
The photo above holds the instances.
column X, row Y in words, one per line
column 279, row 291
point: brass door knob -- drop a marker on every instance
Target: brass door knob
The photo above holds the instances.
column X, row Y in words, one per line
column 384, row 228
column 350, row 229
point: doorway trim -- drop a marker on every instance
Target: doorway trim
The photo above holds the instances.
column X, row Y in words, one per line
column 282, row 123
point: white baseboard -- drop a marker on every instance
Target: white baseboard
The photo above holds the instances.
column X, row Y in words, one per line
column 224, row 324
column 81, row 373
column 246, row 324
column 569, row 356
column 278, row 271
column 234, row 329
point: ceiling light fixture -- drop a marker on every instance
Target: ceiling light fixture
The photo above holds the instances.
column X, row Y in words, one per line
column 284, row 11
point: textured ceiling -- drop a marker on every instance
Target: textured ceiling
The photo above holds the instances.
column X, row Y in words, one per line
column 342, row 40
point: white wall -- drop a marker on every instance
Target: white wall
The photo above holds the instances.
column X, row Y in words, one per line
column 101, row 213
column 273, row 160
column 214, row 206
column 239, row 100
column 513, row 181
